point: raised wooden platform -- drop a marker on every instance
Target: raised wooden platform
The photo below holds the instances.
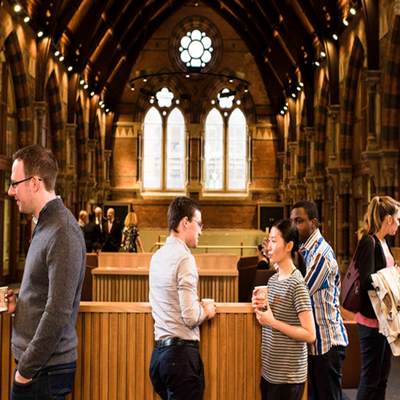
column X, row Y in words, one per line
column 124, row 277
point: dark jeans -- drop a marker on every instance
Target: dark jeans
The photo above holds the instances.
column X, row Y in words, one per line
column 325, row 374
column 287, row 391
column 375, row 364
column 177, row 373
column 50, row 383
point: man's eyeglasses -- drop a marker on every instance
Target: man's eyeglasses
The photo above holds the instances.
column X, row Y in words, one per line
column 200, row 225
column 14, row 184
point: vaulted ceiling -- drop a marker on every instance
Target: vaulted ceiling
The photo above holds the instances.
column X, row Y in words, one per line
column 102, row 39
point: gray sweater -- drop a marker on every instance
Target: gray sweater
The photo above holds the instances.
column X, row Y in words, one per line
column 48, row 302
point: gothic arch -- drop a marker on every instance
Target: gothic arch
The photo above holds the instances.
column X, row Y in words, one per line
column 21, row 90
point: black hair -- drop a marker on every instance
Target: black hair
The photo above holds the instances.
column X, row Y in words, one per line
column 180, row 208
column 289, row 233
column 309, row 206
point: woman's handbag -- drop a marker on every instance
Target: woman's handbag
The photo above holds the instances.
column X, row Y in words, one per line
column 350, row 295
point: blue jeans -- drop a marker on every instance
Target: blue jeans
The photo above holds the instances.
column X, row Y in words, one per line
column 50, row 383
column 325, row 374
column 177, row 373
column 375, row 364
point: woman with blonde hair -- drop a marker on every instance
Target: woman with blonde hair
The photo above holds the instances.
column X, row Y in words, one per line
column 373, row 253
column 130, row 235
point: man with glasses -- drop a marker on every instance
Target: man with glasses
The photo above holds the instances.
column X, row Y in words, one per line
column 44, row 341
column 176, row 369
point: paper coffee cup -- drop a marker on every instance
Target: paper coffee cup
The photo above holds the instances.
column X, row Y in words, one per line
column 261, row 291
column 3, row 302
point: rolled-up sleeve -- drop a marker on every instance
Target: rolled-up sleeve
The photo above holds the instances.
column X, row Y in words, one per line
column 187, row 279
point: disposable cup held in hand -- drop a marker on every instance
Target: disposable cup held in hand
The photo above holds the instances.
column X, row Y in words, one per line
column 208, row 301
column 262, row 294
column 3, row 301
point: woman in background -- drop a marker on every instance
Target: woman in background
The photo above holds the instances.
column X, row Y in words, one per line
column 130, row 235
column 373, row 253
column 286, row 318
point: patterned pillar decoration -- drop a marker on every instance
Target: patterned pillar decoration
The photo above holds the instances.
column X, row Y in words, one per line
column 70, row 133
column 372, row 80
column 21, row 90
column 351, row 83
column 56, row 121
column 334, row 129
column 391, row 90
column 39, row 122
column 321, row 113
column 81, row 145
column 107, row 158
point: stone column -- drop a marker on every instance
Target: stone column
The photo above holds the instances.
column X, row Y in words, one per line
column 343, row 223
column 373, row 83
column 40, row 123
column 333, row 129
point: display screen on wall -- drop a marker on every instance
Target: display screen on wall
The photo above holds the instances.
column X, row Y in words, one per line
column 268, row 214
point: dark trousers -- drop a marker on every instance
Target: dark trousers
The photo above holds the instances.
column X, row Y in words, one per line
column 375, row 364
column 177, row 373
column 51, row 383
column 287, row 391
column 325, row 374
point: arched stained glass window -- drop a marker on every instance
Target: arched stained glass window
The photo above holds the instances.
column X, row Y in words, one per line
column 152, row 150
column 214, row 151
column 176, row 171
column 237, row 151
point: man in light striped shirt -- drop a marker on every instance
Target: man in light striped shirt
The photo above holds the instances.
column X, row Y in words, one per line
column 327, row 354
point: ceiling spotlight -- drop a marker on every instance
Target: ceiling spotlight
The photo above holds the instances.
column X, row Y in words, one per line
column 61, row 59
column 85, row 86
column 298, row 88
column 187, row 76
column 40, row 34
column 282, row 112
column 345, row 22
column 107, row 110
column 238, row 102
column 246, row 90
column 132, row 88
column 285, row 107
column 353, row 11
column 293, row 95
column 177, row 101
column 92, row 93
column 316, row 63
column 144, row 80
column 101, row 102
column 335, row 37
column 102, row 105
column 322, row 54
column 57, row 53
column 26, row 19
column 70, row 68
column 301, row 84
column 230, row 80
column 17, row 8
column 82, row 82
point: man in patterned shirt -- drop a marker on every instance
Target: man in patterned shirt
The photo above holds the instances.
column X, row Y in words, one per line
column 326, row 355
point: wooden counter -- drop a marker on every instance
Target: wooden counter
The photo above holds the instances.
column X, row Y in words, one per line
column 124, row 277
column 116, row 341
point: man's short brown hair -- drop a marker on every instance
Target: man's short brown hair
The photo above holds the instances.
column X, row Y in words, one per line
column 180, row 208
column 40, row 162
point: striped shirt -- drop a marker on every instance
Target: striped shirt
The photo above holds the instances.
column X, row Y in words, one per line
column 284, row 360
column 323, row 281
